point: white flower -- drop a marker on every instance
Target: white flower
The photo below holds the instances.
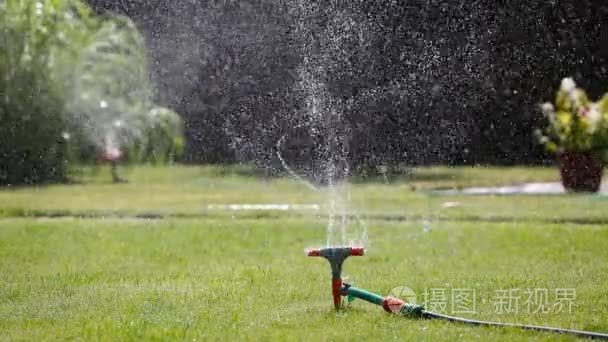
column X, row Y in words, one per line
column 544, row 140
column 568, row 85
column 594, row 113
column 118, row 123
column 39, row 8
column 65, row 136
column 575, row 96
column 548, row 109
column 103, row 104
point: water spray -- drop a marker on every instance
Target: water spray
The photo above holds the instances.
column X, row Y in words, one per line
column 336, row 257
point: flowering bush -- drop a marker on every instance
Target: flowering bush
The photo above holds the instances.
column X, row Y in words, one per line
column 165, row 136
column 576, row 124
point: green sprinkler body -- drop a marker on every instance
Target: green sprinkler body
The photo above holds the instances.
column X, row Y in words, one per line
column 390, row 304
column 336, row 257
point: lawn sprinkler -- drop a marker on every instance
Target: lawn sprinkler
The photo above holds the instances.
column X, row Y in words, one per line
column 336, row 257
column 113, row 155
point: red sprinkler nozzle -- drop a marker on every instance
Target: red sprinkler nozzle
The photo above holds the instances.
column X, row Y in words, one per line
column 336, row 257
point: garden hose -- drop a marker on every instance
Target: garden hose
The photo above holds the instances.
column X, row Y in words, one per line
column 398, row 306
column 580, row 333
column 336, row 257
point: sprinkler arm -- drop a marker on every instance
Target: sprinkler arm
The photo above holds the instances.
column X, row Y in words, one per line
column 336, row 257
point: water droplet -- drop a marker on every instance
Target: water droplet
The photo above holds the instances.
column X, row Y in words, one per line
column 426, row 226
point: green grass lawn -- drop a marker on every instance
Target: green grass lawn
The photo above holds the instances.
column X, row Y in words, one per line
column 82, row 262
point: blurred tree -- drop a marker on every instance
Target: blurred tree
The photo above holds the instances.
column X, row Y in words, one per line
column 34, row 34
column 72, row 84
column 165, row 141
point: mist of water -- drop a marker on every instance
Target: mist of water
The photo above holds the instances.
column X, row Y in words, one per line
column 110, row 93
column 324, row 119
